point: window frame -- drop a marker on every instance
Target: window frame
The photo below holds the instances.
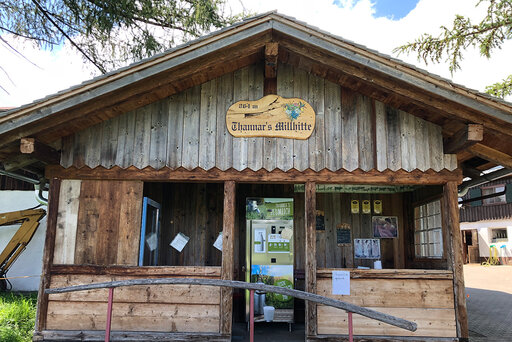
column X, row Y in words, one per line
column 494, row 187
column 440, row 229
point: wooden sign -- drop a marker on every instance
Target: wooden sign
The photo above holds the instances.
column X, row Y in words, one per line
column 271, row 116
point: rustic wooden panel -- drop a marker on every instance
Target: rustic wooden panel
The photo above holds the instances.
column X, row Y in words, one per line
column 142, row 137
column 190, row 157
column 431, row 322
column 163, row 294
column 125, row 139
column 381, row 136
column 188, row 130
column 224, row 151
column 208, row 124
column 334, row 129
column 175, row 130
column 240, row 93
column 284, row 147
column 130, row 213
column 67, row 219
column 104, row 206
column 407, row 141
column 255, row 145
column 109, row 141
column 403, row 293
column 134, row 317
column 158, row 144
column 365, row 132
column 300, row 147
column 317, row 140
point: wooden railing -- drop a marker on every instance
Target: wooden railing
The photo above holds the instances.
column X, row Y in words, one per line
column 350, row 308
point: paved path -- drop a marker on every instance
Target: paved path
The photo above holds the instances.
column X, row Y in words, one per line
column 489, row 302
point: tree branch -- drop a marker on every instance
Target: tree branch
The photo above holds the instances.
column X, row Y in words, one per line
column 45, row 13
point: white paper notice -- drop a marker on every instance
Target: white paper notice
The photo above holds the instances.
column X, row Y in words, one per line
column 218, row 243
column 341, row 283
column 152, row 242
column 179, row 242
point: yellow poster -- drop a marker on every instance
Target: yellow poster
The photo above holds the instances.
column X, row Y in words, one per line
column 354, row 207
column 377, row 206
column 367, row 209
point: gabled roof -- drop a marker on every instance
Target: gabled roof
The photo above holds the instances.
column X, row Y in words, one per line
column 353, row 66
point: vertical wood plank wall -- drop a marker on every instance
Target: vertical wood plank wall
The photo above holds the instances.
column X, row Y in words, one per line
column 188, row 130
column 98, row 222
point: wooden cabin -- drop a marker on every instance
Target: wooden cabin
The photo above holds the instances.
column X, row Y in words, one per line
column 387, row 141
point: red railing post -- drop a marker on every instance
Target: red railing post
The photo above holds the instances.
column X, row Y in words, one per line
column 350, row 328
column 251, row 316
column 109, row 313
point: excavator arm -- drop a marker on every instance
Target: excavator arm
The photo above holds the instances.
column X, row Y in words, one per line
column 29, row 220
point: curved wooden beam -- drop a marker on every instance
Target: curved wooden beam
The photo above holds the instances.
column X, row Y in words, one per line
column 379, row 316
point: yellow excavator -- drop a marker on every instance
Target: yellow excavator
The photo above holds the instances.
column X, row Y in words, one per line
column 29, row 220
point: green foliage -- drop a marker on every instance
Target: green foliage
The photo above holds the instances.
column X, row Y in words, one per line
column 17, row 317
column 487, row 35
column 111, row 33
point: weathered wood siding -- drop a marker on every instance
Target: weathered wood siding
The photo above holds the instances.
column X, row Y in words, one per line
column 98, row 222
column 169, row 308
column 189, row 130
column 426, row 299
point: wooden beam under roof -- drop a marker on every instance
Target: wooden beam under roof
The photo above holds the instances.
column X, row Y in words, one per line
column 464, row 138
column 491, row 155
column 39, row 151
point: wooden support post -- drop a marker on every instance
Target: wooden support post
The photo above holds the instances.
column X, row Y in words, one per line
column 466, row 137
column 39, row 151
column 271, row 53
column 49, row 244
column 227, row 271
column 310, row 275
column 455, row 256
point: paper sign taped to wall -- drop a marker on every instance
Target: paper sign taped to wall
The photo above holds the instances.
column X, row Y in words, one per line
column 218, row 243
column 179, row 242
column 341, row 283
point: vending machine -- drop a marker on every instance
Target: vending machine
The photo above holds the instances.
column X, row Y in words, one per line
column 269, row 254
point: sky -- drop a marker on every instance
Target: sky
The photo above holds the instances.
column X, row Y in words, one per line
column 380, row 25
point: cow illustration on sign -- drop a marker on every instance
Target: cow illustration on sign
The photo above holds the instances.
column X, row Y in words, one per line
column 294, row 110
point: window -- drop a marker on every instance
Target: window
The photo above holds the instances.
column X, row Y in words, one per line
column 428, row 236
column 494, row 190
column 499, row 235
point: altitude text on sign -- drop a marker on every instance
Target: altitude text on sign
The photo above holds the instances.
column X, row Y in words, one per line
column 271, row 116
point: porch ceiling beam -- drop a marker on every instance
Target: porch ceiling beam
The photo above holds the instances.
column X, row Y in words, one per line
column 464, row 138
column 491, row 155
column 39, row 151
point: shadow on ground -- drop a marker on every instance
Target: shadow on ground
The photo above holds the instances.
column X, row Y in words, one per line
column 489, row 315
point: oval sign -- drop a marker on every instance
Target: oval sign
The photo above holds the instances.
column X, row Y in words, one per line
column 271, row 116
